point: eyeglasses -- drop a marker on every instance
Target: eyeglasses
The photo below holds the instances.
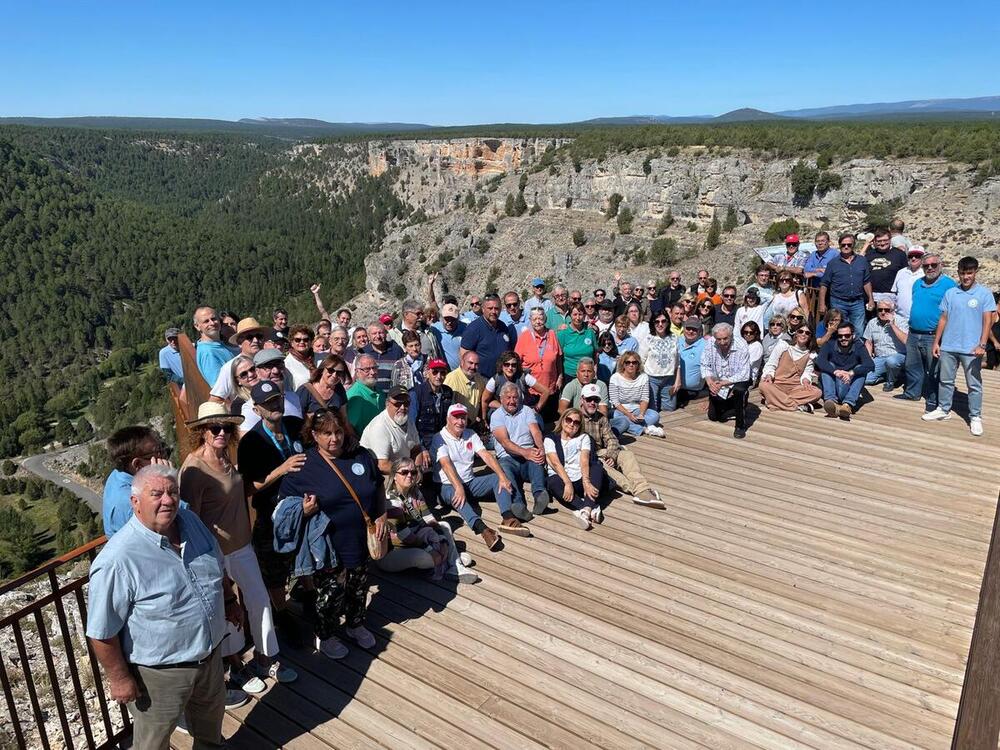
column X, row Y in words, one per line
column 803, row 332
column 245, row 375
column 777, row 325
column 397, row 402
column 589, row 307
column 272, row 366
column 475, row 304
column 795, row 317
column 747, row 332
column 338, row 371
column 931, row 265
column 217, row 429
column 593, row 400
column 660, row 322
column 370, row 368
column 252, row 337
column 572, row 420
column 631, row 363
column 847, row 244
column 575, row 299
column 728, row 296
column 505, row 365
column 301, row 340
column 600, row 294
column 408, row 472
column 675, row 278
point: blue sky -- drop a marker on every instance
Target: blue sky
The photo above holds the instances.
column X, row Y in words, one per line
column 462, row 63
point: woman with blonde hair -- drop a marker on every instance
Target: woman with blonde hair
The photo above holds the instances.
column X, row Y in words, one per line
column 786, row 380
column 575, row 475
column 245, row 377
column 628, row 393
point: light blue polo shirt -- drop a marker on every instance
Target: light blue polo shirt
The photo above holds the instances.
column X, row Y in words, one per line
column 167, row 607
column 965, row 307
column 690, row 358
column 211, row 356
column 517, row 426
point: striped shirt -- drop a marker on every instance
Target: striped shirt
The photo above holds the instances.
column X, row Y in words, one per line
column 624, row 391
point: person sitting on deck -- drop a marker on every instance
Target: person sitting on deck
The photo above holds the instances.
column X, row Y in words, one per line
column 843, row 363
column 586, row 373
column 885, row 338
column 628, row 393
column 518, row 440
column 390, row 435
column 786, row 379
column 725, row 365
column 575, row 475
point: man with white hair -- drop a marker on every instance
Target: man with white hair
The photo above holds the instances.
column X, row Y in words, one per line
column 391, row 435
column 518, row 440
column 557, row 316
column 163, row 673
column 885, row 339
column 725, row 367
column 902, row 285
column 412, row 319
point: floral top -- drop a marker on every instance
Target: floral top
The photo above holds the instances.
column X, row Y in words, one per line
column 405, row 516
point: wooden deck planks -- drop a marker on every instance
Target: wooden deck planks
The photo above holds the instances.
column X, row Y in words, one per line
column 813, row 586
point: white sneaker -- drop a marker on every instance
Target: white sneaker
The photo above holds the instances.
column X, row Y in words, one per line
column 976, row 426
column 938, row 415
column 248, row 681
column 462, row 574
column 466, row 559
column 654, row 431
column 596, row 514
column 582, row 518
column 361, row 636
column 332, row 648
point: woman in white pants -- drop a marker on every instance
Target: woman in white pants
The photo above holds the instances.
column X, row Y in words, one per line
column 418, row 539
column 212, row 487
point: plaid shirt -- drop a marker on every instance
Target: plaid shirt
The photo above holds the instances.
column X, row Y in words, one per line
column 599, row 429
column 732, row 368
column 798, row 260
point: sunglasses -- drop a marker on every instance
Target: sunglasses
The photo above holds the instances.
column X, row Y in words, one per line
column 847, row 244
column 777, row 325
column 931, row 265
column 475, row 304
column 572, row 420
column 600, row 294
column 217, row 429
column 803, row 332
column 301, row 340
column 509, row 364
column 660, row 321
column 272, row 366
column 675, row 278
column 512, row 304
column 589, row 307
column 728, row 296
column 795, row 317
column 408, row 472
column 593, row 400
column 252, row 337
column 245, row 375
column 632, row 363
column 338, row 371
column 397, row 402
column 885, row 309
column 747, row 332
column 575, row 299
column 844, row 335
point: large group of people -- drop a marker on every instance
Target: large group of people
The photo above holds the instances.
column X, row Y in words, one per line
column 326, row 449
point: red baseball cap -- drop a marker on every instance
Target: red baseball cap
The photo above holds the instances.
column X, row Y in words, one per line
column 385, row 319
column 792, row 239
column 437, row 364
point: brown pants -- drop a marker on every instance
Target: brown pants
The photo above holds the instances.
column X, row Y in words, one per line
column 196, row 693
column 626, row 473
column 781, row 397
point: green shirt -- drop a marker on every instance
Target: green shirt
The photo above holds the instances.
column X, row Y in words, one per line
column 363, row 405
column 575, row 346
column 556, row 320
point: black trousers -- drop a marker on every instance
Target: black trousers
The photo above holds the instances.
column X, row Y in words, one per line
column 736, row 401
column 555, row 485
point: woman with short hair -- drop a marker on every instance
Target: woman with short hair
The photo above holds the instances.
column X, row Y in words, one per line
column 541, row 357
column 575, row 476
column 777, row 330
column 299, row 362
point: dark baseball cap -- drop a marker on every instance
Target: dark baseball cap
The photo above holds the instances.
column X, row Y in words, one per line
column 265, row 390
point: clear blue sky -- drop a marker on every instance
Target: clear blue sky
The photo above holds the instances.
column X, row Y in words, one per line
column 468, row 62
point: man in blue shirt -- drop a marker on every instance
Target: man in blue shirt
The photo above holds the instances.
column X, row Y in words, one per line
column 925, row 312
column 961, row 336
column 488, row 337
column 689, row 383
column 847, row 284
column 210, row 352
column 537, row 299
column 519, row 450
column 170, row 358
column 450, row 331
column 843, row 364
column 818, row 260
column 512, row 313
column 158, row 606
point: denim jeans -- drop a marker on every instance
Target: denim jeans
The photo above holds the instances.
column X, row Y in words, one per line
column 520, row 470
column 972, row 367
column 659, row 393
column 921, row 369
column 853, row 311
column 887, row 367
column 480, row 487
column 835, row 389
column 622, row 424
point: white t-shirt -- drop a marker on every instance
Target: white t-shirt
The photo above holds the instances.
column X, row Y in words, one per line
column 460, row 451
column 571, row 454
column 387, row 440
column 224, row 386
column 529, row 380
column 902, row 286
column 293, row 408
column 297, row 371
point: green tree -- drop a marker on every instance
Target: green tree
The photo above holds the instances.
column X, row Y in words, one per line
column 663, row 251
column 625, row 220
column 732, row 221
column 509, row 205
column 828, row 181
column 520, row 205
column 579, row 238
column 9, row 468
column 714, row 234
column 84, row 430
column 778, row 230
column 666, row 221
column 614, row 201
column 470, row 201
column 804, row 179
column 523, row 182
column 64, row 431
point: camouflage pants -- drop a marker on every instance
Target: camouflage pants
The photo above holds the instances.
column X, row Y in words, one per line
column 341, row 592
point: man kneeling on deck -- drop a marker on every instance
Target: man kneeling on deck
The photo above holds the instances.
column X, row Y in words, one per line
column 157, row 636
column 619, row 463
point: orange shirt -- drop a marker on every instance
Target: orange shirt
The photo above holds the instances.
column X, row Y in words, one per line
column 716, row 298
column 539, row 356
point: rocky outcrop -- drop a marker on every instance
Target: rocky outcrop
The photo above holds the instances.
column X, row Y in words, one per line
column 473, row 246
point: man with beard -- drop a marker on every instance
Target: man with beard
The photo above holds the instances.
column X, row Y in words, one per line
column 391, row 435
column 364, row 400
column 270, row 366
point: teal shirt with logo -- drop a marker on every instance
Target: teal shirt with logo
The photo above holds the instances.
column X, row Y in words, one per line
column 575, row 346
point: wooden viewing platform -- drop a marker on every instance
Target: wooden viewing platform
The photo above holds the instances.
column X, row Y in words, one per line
column 814, row 585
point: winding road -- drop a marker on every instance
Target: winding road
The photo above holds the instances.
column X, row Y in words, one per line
column 36, row 465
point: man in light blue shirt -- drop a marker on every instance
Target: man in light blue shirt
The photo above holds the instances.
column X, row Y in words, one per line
column 689, row 382
column 961, row 336
column 512, row 313
column 210, row 353
column 925, row 311
column 815, row 264
column 518, row 441
column 158, row 605
column 537, row 299
column 450, row 331
column 170, row 358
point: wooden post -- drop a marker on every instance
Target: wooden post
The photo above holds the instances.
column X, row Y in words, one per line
column 186, row 400
column 977, row 725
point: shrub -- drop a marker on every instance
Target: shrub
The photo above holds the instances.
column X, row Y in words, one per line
column 879, row 215
column 692, row 227
column 508, row 206
column 777, row 232
column 647, row 166
column 534, row 209
column 8, row 467
column 579, row 238
column 625, row 220
column 569, row 202
column 523, row 182
column 465, row 232
column 732, row 221
column 828, row 181
column 470, row 200
column 804, row 180
column 666, row 222
column 663, row 252
column 673, row 151
column 491, row 228
column 613, row 203
column 399, row 291
column 483, row 245
column 491, row 280
column 714, row 234
column 458, row 271
column 824, row 160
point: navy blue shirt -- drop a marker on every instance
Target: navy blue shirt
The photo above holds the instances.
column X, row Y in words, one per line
column 346, row 530
column 832, row 357
column 385, row 361
column 489, row 343
column 846, row 281
column 884, row 267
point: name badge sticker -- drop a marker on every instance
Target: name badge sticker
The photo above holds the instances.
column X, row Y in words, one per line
column 358, row 469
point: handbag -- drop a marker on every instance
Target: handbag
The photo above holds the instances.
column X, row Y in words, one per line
column 376, row 547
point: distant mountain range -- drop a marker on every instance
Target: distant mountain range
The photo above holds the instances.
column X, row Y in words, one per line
column 304, row 127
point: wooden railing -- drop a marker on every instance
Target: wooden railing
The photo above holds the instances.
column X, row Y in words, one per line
column 977, row 725
column 59, row 688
